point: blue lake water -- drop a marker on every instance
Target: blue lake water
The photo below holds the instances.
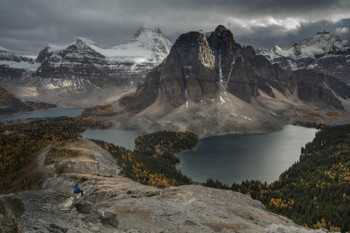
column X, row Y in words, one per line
column 235, row 158
column 70, row 112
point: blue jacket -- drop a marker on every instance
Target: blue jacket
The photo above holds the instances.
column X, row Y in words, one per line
column 76, row 189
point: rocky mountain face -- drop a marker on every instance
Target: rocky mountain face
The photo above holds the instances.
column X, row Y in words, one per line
column 325, row 53
column 228, row 87
column 83, row 60
column 113, row 203
column 78, row 61
column 82, row 67
column 15, row 66
column 199, row 66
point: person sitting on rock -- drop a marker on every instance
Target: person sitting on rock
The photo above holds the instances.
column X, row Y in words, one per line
column 77, row 190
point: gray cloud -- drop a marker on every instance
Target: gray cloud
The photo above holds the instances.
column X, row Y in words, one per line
column 343, row 30
column 266, row 37
column 27, row 26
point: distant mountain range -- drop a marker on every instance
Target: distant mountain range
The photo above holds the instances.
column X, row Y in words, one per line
column 82, row 67
column 325, row 52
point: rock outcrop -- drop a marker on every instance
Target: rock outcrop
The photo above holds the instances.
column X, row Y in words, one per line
column 113, row 203
column 313, row 87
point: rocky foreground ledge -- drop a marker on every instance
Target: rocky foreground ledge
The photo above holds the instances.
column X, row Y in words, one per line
column 117, row 204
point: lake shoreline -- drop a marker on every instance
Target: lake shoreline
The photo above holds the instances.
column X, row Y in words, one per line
column 216, row 160
column 37, row 112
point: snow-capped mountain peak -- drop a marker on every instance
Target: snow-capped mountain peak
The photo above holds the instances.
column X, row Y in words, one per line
column 79, row 42
column 10, row 60
column 55, row 48
column 82, row 64
column 322, row 43
column 83, row 40
column 149, row 45
column 151, row 39
column 323, row 52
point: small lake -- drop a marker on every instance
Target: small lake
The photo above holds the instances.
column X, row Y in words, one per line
column 117, row 137
column 70, row 112
column 235, row 158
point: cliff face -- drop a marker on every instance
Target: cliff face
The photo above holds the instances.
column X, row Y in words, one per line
column 187, row 74
column 199, row 67
column 314, row 87
column 189, row 70
column 113, row 203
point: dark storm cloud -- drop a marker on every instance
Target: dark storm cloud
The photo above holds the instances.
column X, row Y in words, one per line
column 27, row 26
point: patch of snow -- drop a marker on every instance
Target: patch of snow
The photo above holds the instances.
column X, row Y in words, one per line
column 187, row 104
column 148, row 46
column 247, row 118
column 292, row 65
column 311, row 66
column 229, row 74
column 133, row 67
column 56, row 48
column 50, row 86
column 321, row 44
column 84, row 40
column 221, row 99
column 4, row 49
column 220, row 69
column 21, row 65
column 29, row 56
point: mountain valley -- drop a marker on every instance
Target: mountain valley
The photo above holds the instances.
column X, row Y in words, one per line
column 204, row 84
column 111, row 201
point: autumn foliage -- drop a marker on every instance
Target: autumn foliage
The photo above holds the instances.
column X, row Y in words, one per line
column 153, row 161
column 315, row 191
column 20, row 141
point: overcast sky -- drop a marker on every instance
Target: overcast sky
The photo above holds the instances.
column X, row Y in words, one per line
column 26, row 26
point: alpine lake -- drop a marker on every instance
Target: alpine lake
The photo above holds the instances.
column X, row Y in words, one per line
column 228, row 158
